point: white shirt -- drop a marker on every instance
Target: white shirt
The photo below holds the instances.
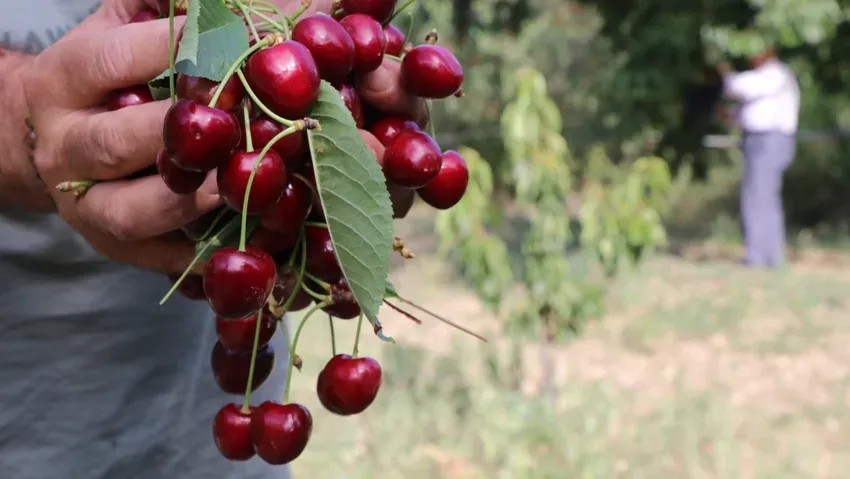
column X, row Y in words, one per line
column 769, row 96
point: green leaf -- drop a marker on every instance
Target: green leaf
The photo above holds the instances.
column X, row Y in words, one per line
column 213, row 38
column 355, row 199
column 226, row 236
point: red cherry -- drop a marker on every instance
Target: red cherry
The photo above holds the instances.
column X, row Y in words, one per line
column 352, row 102
column 180, row 7
column 447, row 189
column 232, row 433
column 131, row 96
column 287, row 279
column 280, row 432
column 202, row 90
column 237, row 335
column 348, row 385
column 431, row 71
column 272, row 241
column 401, row 198
column 317, row 212
column 191, row 287
column 146, row 14
column 177, row 179
column 291, row 147
column 412, row 159
column 321, row 260
column 231, row 369
column 369, row 41
column 291, row 209
column 238, row 283
column 285, row 78
column 344, row 307
column 199, row 138
column 388, row 127
column 395, row 40
column 269, row 180
column 380, row 10
column 329, row 43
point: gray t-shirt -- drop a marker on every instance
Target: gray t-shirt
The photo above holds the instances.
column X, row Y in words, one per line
column 97, row 381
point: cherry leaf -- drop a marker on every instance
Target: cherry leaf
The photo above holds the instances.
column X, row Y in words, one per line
column 213, row 38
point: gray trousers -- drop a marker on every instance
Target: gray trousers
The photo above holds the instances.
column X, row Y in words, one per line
column 766, row 157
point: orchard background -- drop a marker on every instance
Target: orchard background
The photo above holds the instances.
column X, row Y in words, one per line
column 596, row 247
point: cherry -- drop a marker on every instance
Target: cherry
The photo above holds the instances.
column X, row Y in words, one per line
column 280, row 432
column 345, row 306
column 272, row 241
column 388, row 127
column 329, row 43
column 285, row 78
column 237, row 335
column 395, row 40
column 231, row 369
column 180, row 7
column 198, row 228
column 348, row 385
column 369, row 41
column 145, row 15
column 431, row 71
column 238, row 283
column 177, row 179
column 269, row 180
column 202, row 90
column 447, row 189
column 291, row 147
column 287, row 279
column 321, row 260
column 232, row 433
column 317, row 212
column 191, row 287
column 380, row 10
column 291, row 209
column 131, row 96
column 412, row 159
column 401, row 198
column 199, row 138
column 352, row 102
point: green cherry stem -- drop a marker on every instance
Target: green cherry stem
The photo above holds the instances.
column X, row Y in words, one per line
column 333, row 335
column 399, row 10
column 283, row 121
column 301, row 9
column 323, row 284
column 298, row 282
column 294, row 347
column 313, row 223
column 246, row 403
column 314, row 294
column 180, row 279
column 171, row 47
column 249, row 142
column 430, row 120
column 439, row 318
column 300, row 246
column 248, row 18
column 215, row 223
column 392, row 57
column 277, row 26
column 235, row 67
column 356, row 350
column 410, row 26
column 272, row 8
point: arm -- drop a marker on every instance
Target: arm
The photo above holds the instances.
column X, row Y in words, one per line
column 19, row 183
column 754, row 84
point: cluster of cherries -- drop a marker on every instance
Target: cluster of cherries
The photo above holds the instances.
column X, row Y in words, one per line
column 259, row 114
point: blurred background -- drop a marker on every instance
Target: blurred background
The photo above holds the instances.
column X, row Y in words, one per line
column 597, row 249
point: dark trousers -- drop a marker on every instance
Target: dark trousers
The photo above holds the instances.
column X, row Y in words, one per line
column 766, row 157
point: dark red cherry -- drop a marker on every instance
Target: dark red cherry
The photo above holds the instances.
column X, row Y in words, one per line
column 447, row 189
column 287, row 280
column 395, row 40
column 291, row 209
column 352, row 102
column 146, row 14
column 401, row 198
column 431, row 71
column 388, row 127
column 380, row 10
column 348, row 385
column 238, row 283
column 317, row 212
column 177, row 179
column 369, row 41
column 191, row 287
column 321, row 260
column 202, row 90
column 198, row 228
column 131, row 96
column 231, row 369
column 291, row 147
column 285, row 78
column 345, row 306
column 329, row 43
column 199, row 138
column 232, row 432
column 237, row 335
column 280, row 432
column 269, row 180
column 180, row 7
column 412, row 159
column 272, row 241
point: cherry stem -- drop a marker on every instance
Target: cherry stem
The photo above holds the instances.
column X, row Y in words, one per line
column 333, row 335
column 299, row 247
column 249, row 142
column 314, row 294
column 183, row 276
column 248, row 18
column 318, row 281
column 403, row 312
column 430, row 120
column 393, row 57
column 284, row 27
column 398, row 11
column 274, row 116
column 246, row 403
column 410, row 26
column 215, row 223
column 243, row 233
column 293, row 347
column 171, row 47
column 78, row 188
column 299, row 282
column 261, row 43
column 313, row 223
column 444, row 320
column 356, row 350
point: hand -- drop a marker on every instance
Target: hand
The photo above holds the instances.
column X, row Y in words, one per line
column 125, row 220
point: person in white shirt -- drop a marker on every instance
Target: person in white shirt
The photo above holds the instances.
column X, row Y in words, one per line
column 769, row 97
